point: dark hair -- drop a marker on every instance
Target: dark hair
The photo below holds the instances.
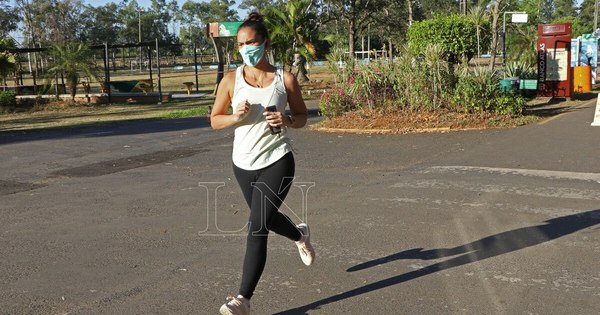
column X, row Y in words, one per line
column 255, row 21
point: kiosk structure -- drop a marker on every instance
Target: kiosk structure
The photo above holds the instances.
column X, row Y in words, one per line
column 219, row 32
column 555, row 77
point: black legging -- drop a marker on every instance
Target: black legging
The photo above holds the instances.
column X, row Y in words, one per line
column 264, row 191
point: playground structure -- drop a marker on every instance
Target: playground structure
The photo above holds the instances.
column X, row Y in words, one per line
column 125, row 83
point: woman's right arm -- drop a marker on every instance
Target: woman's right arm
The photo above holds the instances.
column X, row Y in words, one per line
column 219, row 116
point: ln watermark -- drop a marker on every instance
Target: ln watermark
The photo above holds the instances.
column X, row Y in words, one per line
column 215, row 225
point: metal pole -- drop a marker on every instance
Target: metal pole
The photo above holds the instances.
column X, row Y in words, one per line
column 196, row 66
column 595, row 15
column 504, row 34
column 504, row 41
column 150, row 66
column 158, row 73
column 107, row 73
column 140, row 38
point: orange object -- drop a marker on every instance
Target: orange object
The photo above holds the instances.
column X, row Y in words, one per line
column 582, row 81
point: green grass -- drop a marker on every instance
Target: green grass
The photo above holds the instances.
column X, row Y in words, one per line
column 184, row 113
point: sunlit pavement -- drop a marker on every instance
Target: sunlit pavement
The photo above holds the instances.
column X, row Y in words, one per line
column 146, row 218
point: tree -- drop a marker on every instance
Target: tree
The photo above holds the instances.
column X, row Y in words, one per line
column 586, row 14
column 30, row 11
column 133, row 18
column 62, row 20
column 72, row 60
column 51, row 21
column 291, row 26
column 393, row 22
column 456, row 34
column 258, row 5
column 357, row 14
column 101, row 24
column 564, row 8
column 479, row 16
column 8, row 18
column 8, row 62
column 494, row 45
column 428, row 9
column 218, row 10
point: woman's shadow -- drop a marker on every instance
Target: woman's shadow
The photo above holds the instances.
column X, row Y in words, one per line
column 481, row 249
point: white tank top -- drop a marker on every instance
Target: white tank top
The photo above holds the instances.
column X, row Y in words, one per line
column 254, row 147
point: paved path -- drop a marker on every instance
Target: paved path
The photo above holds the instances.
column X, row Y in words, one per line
column 120, row 219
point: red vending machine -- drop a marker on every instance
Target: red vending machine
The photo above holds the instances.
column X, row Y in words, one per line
column 555, row 77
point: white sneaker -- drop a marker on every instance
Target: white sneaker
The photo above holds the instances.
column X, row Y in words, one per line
column 238, row 305
column 307, row 252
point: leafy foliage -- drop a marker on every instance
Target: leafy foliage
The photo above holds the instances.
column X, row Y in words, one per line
column 477, row 90
column 520, row 69
column 291, row 27
column 9, row 18
column 7, row 99
column 72, row 60
column 417, row 81
column 7, row 60
column 457, row 34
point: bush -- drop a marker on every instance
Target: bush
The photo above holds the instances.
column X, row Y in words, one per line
column 478, row 90
column 455, row 33
column 409, row 82
column 7, row 100
column 417, row 82
column 520, row 69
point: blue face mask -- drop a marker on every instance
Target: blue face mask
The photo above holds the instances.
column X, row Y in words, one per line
column 252, row 54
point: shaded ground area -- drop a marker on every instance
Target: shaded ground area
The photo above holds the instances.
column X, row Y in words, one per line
column 61, row 115
column 406, row 121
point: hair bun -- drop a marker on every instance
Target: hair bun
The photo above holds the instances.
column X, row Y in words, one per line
column 255, row 17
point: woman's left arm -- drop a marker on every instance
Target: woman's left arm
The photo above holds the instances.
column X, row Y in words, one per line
column 299, row 113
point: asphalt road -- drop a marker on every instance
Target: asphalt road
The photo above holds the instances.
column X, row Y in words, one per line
column 145, row 218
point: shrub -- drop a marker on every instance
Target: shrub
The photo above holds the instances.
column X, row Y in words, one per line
column 479, row 90
column 521, row 70
column 456, row 34
column 417, row 81
column 7, row 100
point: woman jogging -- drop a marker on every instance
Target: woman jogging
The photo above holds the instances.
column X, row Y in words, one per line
column 263, row 162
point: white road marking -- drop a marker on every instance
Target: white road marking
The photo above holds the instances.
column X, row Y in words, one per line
column 525, row 172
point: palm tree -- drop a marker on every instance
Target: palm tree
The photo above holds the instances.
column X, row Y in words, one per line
column 292, row 24
column 8, row 61
column 72, row 60
column 495, row 15
column 480, row 17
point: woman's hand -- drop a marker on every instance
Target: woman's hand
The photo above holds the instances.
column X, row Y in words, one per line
column 241, row 111
column 274, row 119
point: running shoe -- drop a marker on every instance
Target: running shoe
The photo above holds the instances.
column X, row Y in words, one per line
column 307, row 252
column 238, row 305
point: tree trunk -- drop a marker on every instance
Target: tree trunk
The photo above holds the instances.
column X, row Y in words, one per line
column 410, row 12
column 73, row 88
column 351, row 38
column 495, row 18
column 301, row 73
column 478, row 49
